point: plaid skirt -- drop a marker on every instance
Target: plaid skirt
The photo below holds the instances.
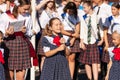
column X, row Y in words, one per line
column 105, row 55
column 2, row 75
column 19, row 53
column 91, row 55
column 75, row 48
column 39, row 47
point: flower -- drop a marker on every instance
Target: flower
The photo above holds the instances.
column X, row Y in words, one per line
column 56, row 40
column 116, row 52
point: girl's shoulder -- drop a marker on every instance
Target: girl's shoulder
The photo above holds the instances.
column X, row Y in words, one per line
column 47, row 40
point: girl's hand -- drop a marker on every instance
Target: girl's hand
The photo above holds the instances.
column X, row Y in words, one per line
column 106, row 77
column 100, row 43
column 72, row 42
column 82, row 46
column 106, row 48
column 61, row 47
column 9, row 31
column 23, row 29
column 62, row 41
column 75, row 35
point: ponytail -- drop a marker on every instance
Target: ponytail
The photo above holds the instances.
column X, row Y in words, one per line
column 15, row 11
column 47, row 30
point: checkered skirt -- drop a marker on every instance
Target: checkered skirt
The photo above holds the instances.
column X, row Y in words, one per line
column 39, row 47
column 75, row 48
column 19, row 54
column 105, row 56
column 91, row 55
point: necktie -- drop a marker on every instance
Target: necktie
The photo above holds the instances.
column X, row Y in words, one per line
column 98, row 10
column 98, row 27
column 89, row 30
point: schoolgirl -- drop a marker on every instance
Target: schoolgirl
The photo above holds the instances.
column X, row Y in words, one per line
column 55, row 66
column 88, row 35
column 109, row 25
column 2, row 75
column 115, row 66
column 48, row 13
column 71, row 31
column 16, row 41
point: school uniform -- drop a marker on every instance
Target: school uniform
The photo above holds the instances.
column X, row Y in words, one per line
column 60, row 9
column 110, row 23
column 56, row 66
column 19, row 53
column 115, row 68
column 45, row 17
column 103, row 11
column 91, row 54
column 44, row 20
column 2, row 75
column 29, row 33
column 69, row 23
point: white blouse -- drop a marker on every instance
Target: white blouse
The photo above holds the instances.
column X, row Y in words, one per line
column 45, row 17
column 84, row 29
column 104, row 12
column 109, row 23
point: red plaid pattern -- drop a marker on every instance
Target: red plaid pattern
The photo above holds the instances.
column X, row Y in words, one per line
column 39, row 47
column 91, row 55
column 105, row 55
column 75, row 48
column 19, row 55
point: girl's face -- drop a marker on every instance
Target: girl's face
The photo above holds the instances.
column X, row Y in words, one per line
column 116, row 39
column 24, row 9
column 56, row 26
column 50, row 5
column 86, row 8
column 115, row 11
column 70, row 11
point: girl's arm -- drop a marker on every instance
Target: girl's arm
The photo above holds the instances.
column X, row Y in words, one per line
column 64, row 32
column 106, row 39
column 77, row 31
column 82, row 45
column 41, row 4
column 54, row 51
column 76, row 34
column 108, row 70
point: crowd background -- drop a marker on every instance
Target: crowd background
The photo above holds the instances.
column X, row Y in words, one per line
column 45, row 20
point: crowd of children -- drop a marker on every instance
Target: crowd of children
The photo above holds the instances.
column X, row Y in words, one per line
column 90, row 28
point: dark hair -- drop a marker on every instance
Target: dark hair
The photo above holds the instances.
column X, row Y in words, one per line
column 72, row 6
column 54, row 6
column 47, row 30
column 21, row 3
column 1, row 33
column 116, row 5
column 89, row 3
